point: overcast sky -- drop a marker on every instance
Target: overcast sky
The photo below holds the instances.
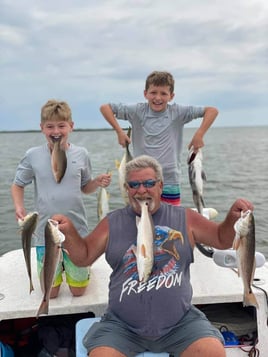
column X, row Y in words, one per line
column 90, row 52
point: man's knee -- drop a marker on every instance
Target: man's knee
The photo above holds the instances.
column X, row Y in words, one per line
column 207, row 347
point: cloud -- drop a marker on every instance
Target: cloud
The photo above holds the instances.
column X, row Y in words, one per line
column 89, row 53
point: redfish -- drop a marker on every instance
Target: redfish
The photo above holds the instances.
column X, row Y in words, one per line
column 122, row 169
column 244, row 243
column 53, row 239
column 58, row 161
column 28, row 225
column 103, row 203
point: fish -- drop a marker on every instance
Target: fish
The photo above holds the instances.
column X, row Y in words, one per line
column 53, row 240
column 209, row 212
column 244, row 244
column 196, row 177
column 28, row 225
column 122, row 169
column 103, row 203
column 144, row 250
column 58, row 161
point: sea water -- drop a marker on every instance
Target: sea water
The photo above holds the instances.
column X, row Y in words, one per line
column 234, row 160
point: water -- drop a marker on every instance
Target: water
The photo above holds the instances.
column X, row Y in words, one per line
column 234, row 159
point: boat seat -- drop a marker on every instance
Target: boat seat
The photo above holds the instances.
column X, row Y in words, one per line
column 81, row 329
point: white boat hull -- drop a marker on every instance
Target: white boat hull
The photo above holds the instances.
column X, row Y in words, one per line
column 211, row 283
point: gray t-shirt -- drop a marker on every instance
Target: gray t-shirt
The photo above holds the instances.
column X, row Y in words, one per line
column 51, row 197
column 159, row 134
column 150, row 309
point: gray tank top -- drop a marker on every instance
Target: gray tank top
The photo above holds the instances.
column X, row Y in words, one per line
column 152, row 308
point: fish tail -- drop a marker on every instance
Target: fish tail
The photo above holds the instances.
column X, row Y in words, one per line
column 43, row 309
column 250, row 299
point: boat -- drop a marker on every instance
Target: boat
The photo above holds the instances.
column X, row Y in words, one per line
column 217, row 290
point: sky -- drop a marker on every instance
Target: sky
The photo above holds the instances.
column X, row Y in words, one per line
column 91, row 52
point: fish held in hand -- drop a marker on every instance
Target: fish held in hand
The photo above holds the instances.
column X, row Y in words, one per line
column 196, row 177
column 27, row 226
column 103, row 203
column 53, row 240
column 244, row 243
column 145, row 240
column 208, row 212
column 122, row 170
column 58, row 161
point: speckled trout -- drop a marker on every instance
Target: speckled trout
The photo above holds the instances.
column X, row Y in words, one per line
column 103, row 203
column 27, row 228
column 58, row 160
column 122, row 169
column 244, row 243
column 145, row 240
column 53, row 239
column 196, row 178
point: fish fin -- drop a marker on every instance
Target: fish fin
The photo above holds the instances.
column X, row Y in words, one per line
column 203, row 175
column 117, row 164
column 66, row 251
column 250, row 300
column 236, row 242
column 143, row 250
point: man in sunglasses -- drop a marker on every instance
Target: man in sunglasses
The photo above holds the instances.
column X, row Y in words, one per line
column 156, row 315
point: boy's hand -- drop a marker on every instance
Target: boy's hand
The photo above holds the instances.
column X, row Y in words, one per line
column 104, row 180
column 123, row 138
column 197, row 142
column 20, row 213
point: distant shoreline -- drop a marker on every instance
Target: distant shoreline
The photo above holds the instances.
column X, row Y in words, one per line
column 111, row 129
column 38, row 131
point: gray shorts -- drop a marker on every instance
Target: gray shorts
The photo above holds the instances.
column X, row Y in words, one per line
column 112, row 332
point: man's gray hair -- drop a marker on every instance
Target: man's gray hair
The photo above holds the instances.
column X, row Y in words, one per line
column 143, row 162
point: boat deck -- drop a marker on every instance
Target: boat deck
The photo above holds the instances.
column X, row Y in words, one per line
column 212, row 284
column 18, row 302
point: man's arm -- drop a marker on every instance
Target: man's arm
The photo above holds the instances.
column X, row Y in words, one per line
column 217, row 235
column 83, row 251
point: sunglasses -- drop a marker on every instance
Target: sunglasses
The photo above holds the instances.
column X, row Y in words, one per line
column 147, row 184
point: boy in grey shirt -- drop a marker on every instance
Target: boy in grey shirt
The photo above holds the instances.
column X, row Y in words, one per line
column 52, row 196
column 157, row 128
